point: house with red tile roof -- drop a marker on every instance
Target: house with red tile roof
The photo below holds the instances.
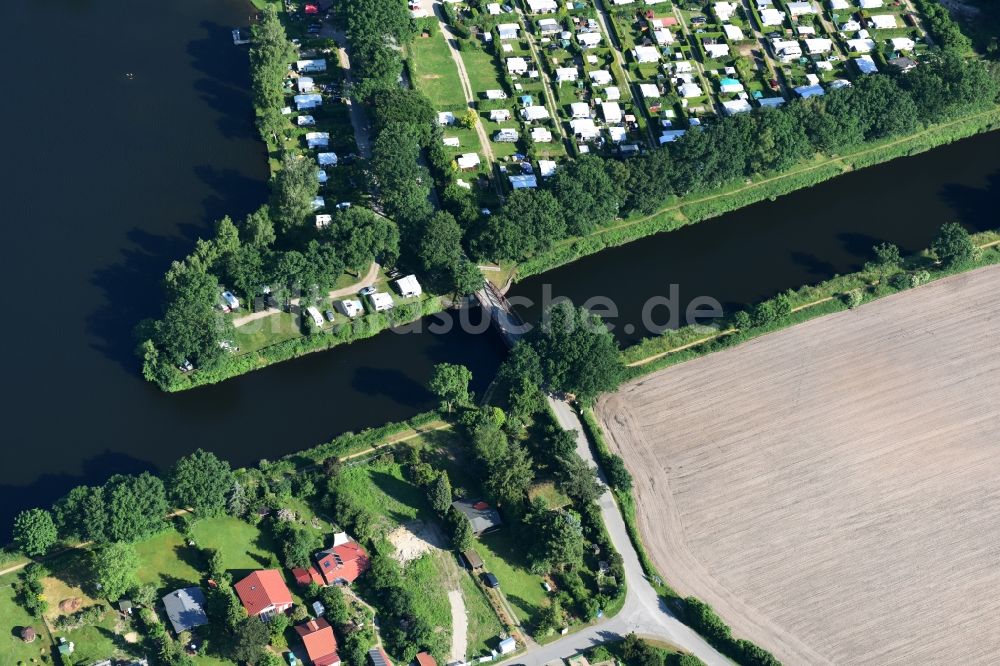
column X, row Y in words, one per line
column 425, row 659
column 342, row 563
column 264, row 593
column 319, row 641
column 305, row 577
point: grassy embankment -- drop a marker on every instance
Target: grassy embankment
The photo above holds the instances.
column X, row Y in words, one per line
column 299, row 345
column 682, row 211
column 807, row 302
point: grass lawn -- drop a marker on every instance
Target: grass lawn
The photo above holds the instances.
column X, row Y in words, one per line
column 484, row 626
column 267, row 331
column 168, row 563
column 434, row 70
column 104, row 640
column 382, row 488
column 554, row 499
column 65, row 582
column 482, row 71
column 501, row 551
column 504, row 556
column 12, row 617
column 429, row 575
column 243, row 546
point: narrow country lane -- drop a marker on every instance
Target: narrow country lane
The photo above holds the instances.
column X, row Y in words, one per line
column 349, row 290
column 470, row 95
column 644, row 612
column 359, row 119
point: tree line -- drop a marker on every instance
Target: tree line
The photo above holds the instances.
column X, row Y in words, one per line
column 275, row 253
column 591, row 191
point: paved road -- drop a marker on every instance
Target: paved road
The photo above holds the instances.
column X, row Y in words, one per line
column 644, row 611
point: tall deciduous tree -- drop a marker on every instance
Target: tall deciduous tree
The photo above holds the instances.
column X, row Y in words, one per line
column 113, row 569
column 953, row 244
column 191, row 327
column 590, row 191
column 295, row 186
column 34, row 532
column 202, row 482
column 362, row 235
column 576, row 351
column 529, row 222
column 82, row 514
column 137, row 506
column 450, row 383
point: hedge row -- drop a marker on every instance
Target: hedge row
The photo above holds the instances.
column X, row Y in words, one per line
column 835, row 289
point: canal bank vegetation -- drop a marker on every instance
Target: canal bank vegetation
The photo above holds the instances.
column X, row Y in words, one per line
column 287, row 256
column 751, row 157
column 954, row 251
column 203, row 524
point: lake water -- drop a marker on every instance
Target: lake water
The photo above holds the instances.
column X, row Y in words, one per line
column 141, row 136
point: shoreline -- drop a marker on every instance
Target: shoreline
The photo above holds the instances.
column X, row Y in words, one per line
column 674, row 216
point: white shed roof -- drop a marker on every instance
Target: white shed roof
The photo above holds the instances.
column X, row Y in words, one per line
column 541, row 135
column 532, row 113
column 884, row 21
column 600, row 77
column 649, row 90
column 542, row 6
column 467, row 161
column 408, row 286
column 645, row 54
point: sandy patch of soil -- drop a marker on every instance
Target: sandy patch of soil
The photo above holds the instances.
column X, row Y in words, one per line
column 414, row 539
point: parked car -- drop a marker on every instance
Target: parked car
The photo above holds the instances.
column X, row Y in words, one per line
column 186, row 366
column 367, row 291
column 328, row 314
column 490, row 580
column 698, row 20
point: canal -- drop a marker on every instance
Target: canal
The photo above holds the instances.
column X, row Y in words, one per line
column 142, row 136
column 802, row 238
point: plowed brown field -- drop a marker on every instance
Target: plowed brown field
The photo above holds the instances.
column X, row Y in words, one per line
column 833, row 489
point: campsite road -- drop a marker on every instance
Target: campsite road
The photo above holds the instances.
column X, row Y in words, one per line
column 349, row 290
column 463, row 76
column 359, row 120
column 644, row 612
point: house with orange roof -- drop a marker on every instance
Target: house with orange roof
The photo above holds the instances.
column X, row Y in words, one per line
column 425, row 659
column 344, row 562
column 320, row 643
column 264, row 594
column 305, row 577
